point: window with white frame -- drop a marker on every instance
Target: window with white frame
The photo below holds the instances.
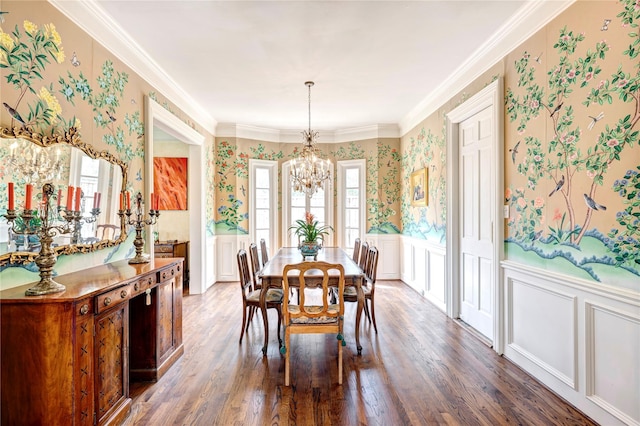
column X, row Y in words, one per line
column 263, row 206
column 295, row 204
column 351, row 202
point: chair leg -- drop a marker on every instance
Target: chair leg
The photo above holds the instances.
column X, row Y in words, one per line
column 339, row 362
column 279, row 309
column 252, row 310
column 373, row 315
column 366, row 310
column 287, row 355
column 244, row 320
column 265, row 321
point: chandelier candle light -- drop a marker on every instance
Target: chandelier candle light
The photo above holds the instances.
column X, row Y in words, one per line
column 139, row 222
column 50, row 225
column 308, row 169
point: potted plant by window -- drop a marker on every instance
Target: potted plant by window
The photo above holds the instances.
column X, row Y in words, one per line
column 310, row 235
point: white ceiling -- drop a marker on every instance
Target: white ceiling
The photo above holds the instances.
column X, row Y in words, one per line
column 245, row 62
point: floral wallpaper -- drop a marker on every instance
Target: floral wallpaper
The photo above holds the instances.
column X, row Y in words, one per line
column 573, row 112
column 231, row 180
column 53, row 76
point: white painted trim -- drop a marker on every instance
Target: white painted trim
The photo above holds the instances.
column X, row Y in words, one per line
column 529, row 19
column 92, row 18
column 273, row 201
column 232, row 130
column 490, row 96
column 342, row 166
column 156, row 115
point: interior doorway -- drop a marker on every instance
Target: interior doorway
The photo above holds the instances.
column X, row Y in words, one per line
column 475, row 176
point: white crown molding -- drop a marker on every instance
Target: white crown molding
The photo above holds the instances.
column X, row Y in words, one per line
column 527, row 21
column 90, row 17
column 376, row 131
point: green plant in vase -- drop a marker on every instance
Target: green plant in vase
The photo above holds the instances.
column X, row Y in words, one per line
column 310, row 235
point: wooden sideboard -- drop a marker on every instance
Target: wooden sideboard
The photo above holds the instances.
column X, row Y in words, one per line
column 67, row 358
column 175, row 249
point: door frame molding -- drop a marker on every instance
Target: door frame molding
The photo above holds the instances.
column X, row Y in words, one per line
column 490, row 96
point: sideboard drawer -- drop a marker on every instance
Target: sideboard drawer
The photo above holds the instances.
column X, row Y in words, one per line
column 107, row 300
column 163, row 248
column 144, row 283
column 168, row 273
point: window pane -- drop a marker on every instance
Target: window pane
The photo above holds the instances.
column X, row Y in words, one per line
column 352, row 219
column 297, row 213
column 262, row 198
column 352, row 178
column 262, row 219
column 351, row 235
column 262, row 178
column 90, row 166
column 353, row 198
column 297, row 199
column 317, row 200
column 318, row 212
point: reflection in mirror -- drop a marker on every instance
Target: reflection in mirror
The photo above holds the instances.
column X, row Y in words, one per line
column 85, row 180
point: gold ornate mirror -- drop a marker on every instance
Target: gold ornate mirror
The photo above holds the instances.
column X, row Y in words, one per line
column 64, row 161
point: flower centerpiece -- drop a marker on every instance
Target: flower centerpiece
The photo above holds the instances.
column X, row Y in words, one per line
column 310, row 235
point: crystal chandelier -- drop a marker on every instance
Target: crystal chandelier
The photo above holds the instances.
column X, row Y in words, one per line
column 33, row 163
column 308, row 170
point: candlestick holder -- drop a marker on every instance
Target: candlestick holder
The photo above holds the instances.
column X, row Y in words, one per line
column 46, row 230
column 80, row 221
column 139, row 222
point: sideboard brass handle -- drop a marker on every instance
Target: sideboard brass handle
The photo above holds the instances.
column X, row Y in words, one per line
column 107, row 301
column 164, row 275
column 123, row 294
column 173, row 272
column 136, row 286
column 84, row 309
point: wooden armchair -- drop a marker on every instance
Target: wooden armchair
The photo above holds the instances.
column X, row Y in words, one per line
column 263, row 251
column 364, row 252
column 251, row 300
column 356, row 250
column 255, row 266
column 302, row 318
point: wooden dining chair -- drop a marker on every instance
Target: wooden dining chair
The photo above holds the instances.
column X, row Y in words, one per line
column 356, row 250
column 251, row 301
column 302, row 318
column 369, row 287
column 255, row 266
column 263, row 251
column 364, row 252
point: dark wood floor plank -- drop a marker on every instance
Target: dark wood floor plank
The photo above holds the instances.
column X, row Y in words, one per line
column 422, row 368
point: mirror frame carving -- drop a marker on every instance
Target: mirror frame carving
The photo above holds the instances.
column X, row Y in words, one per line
column 72, row 138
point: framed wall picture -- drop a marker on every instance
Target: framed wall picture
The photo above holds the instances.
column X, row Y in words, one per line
column 420, row 187
column 170, row 182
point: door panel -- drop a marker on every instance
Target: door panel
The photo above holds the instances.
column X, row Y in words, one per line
column 476, row 243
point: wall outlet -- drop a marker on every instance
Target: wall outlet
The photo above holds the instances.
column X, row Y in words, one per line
column 505, row 211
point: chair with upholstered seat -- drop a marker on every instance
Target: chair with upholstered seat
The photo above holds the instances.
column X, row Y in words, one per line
column 356, row 250
column 368, row 288
column 264, row 254
column 251, row 300
column 303, row 318
column 107, row 231
column 364, row 252
column 255, row 266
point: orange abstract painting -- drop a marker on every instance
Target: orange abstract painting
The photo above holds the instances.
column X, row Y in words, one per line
column 170, row 182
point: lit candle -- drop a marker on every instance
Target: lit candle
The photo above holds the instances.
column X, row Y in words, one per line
column 11, row 195
column 78, row 198
column 27, row 201
column 121, row 201
column 128, row 200
column 69, row 198
column 59, row 196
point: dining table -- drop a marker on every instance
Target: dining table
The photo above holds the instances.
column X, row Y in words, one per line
column 272, row 271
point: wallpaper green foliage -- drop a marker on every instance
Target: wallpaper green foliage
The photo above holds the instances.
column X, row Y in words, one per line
column 231, row 179
column 577, row 151
column 425, row 150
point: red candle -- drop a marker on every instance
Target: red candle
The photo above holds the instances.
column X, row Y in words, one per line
column 128, row 200
column 98, row 202
column 121, row 202
column 78, row 198
column 27, row 202
column 153, row 201
column 11, row 195
column 157, row 204
column 59, row 196
column 69, row 198
column 95, row 199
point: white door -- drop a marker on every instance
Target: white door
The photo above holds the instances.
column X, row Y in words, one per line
column 476, row 139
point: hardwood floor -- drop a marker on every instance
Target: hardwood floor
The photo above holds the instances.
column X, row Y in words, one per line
column 421, row 369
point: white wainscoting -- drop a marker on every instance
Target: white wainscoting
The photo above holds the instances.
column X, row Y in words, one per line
column 227, row 247
column 582, row 339
column 389, row 255
column 210, row 261
column 423, row 267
